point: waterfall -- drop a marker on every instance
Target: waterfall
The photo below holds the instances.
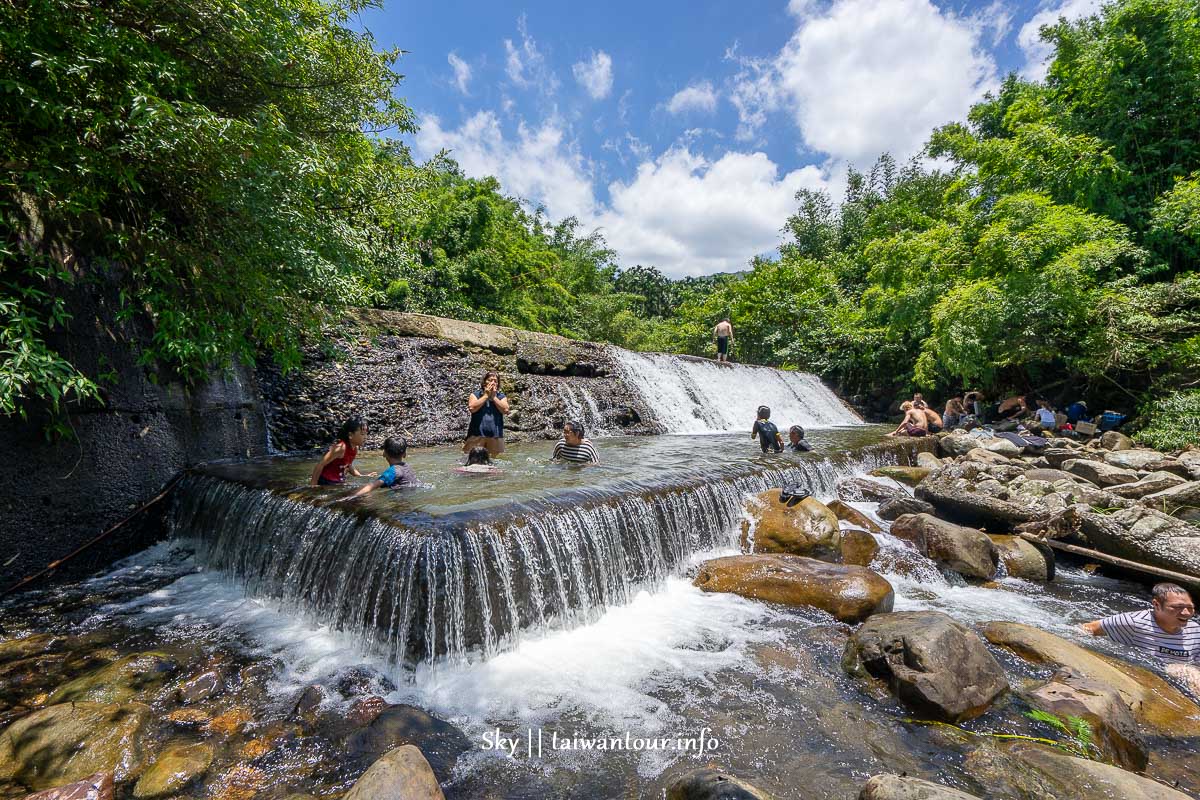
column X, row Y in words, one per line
column 692, row 395
column 580, row 405
column 422, row 588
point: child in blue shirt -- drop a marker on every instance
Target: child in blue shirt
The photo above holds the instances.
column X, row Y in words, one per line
column 398, row 473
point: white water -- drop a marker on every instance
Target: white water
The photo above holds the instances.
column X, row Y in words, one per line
column 696, row 396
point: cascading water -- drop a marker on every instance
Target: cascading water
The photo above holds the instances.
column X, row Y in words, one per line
column 581, row 406
column 692, row 395
column 419, row 587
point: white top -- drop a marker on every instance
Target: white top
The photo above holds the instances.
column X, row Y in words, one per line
column 1045, row 417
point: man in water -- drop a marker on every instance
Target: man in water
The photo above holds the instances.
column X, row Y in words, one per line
column 573, row 447
column 723, row 335
column 1166, row 631
column 796, row 443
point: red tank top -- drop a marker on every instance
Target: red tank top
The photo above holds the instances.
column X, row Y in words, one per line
column 335, row 471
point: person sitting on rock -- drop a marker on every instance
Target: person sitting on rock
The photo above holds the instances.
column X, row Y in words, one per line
column 479, row 462
column 573, row 447
column 1166, row 631
column 767, row 433
column 398, row 473
column 933, row 420
column 796, row 441
column 914, row 422
column 1045, row 416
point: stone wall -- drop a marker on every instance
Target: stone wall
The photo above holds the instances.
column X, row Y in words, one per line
column 411, row 374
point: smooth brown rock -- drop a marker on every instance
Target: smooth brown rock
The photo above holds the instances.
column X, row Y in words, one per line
column 93, row 787
column 1115, row 440
column 896, row 507
column 804, row 528
column 850, row 593
column 1114, row 730
column 933, row 664
column 73, row 741
column 902, row 787
column 928, row 460
column 1155, row 703
column 201, row 687
column 906, row 475
column 847, row 513
column 1027, row 769
column 439, row 741
column 119, row 681
column 175, row 768
column 1024, row 559
column 710, row 783
column 858, row 547
column 967, row 551
column 401, row 774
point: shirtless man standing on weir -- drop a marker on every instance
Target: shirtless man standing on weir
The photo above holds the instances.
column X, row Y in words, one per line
column 723, row 335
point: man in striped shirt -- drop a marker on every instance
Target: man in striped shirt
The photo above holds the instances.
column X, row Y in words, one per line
column 1166, row 631
column 573, row 447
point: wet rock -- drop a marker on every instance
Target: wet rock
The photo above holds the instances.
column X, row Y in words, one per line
column 900, row 787
column 401, row 774
column 72, row 741
column 1132, row 459
column 1030, row 770
column 967, row 551
column 29, row 646
column 861, row 489
column 201, row 687
column 858, row 547
column 931, row 663
column 928, row 460
column 847, row 513
column 189, row 718
column 896, row 507
column 364, row 711
column 1148, row 484
column 229, row 723
column 175, row 768
column 1024, row 559
column 907, row 475
column 1155, row 703
column 1115, row 440
column 710, row 783
column 308, row 702
column 1114, row 731
column 121, row 680
column 804, row 528
column 850, row 593
column 93, row 787
column 1145, row 535
column 1099, row 472
column 1182, row 501
column 440, row 742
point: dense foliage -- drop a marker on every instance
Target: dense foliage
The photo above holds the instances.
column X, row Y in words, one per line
column 220, row 163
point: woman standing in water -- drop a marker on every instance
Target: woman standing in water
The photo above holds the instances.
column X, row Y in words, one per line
column 487, row 405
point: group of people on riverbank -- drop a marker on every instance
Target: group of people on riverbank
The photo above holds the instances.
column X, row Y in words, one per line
column 484, row 441
column 1016, row 413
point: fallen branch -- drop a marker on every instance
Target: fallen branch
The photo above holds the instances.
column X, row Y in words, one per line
column 1178, row 577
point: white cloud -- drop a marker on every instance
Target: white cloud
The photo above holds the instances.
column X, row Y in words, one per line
column 1037, row 52
column 462, row 72
column 997, row 18
column 754, row 91
column 540, row 166
column 867, row 76
column 595, row 75
column 697, row 97
column 526, row 65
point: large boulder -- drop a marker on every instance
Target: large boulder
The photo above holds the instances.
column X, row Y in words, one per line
column 1057, row 456
column 1154, row 703
column 175, row 767
column 862, row 489
column 904, row 787
column 1191, row 462
column 439, row 742
column 960, row 492
column 928, row 460
column 804, row 528
column 710, row 783
column 1133, row 459
column 1031, row 770
column 848, row 592
column 907, row 475
column 1148, row 484
column 1024, row 559
column 933, row 664
column 1114, row 730
column 1051, row 475
column 1146, row 536
column 400, row 774
column 895, row 507
column 1115, row 440
column 1099, row 472
column 959, row 444
column 967, row 551
column 847, row 513
column 985, row 456
column 72, row 741
column 119, row 681
column 1182, row 501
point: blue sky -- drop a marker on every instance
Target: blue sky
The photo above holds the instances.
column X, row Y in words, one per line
column 682, row 130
